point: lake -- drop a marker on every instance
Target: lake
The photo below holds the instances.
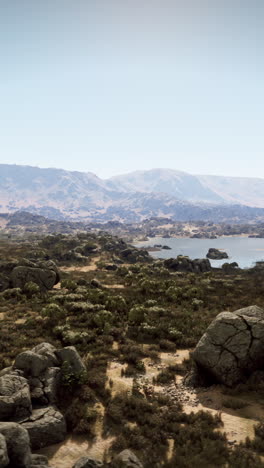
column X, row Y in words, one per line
column 243, row 250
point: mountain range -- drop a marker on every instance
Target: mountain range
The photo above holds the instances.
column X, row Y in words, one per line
column 62, row 194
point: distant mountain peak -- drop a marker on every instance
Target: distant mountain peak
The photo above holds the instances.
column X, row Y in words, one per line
column 61, row 193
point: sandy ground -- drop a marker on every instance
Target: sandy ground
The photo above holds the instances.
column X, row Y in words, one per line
column 237, row 424
column 91, row 267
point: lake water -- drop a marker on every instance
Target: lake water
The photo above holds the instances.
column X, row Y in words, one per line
column 243, row 250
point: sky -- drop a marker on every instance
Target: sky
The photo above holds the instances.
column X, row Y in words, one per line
column 113, row 86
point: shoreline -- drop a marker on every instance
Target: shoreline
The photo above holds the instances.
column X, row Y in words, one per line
column 239, row 236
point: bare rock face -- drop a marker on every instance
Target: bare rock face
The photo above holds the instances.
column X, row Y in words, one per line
column 46, row 426
column 232, row 348
column 17, row 443
column 70, row 355
column 127, row 459
column 15, row 401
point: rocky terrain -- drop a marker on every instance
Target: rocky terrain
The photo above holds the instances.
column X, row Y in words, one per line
column 110, row 358
column 64, row 195
column 216, row 254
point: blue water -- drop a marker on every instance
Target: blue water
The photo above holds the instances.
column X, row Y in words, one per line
column 243, row 250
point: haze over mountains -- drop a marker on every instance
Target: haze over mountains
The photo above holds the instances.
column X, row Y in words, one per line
column 131, row 197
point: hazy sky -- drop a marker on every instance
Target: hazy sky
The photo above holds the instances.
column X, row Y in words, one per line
column 111, row 86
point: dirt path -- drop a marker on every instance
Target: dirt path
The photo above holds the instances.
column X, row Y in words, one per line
column 91, row 267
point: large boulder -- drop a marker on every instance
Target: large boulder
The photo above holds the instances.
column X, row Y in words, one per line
column 44, row 275
column 31, row 363
column 127, row 459
column 36, row 361
column 232, row 347
column 70, row 355
column 46, row 426
column 15, row 401
column 215, row 254
column 18, row 444
column 4, row 459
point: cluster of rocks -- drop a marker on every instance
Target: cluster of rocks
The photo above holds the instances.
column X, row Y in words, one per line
column 134, row 255
column 17, row 274
column 28, row 396
column 29, row 417
column 215, row 254
column 185, row 264
column 232, row 348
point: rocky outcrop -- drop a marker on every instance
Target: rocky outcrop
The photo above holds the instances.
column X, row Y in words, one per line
column 17, row 274
column 15, row 401
column 127, row 459
column 29, row 391
column 133, row 255
column 232, row 347
column 185, row 264
column 45, row 426
column 72, row 357
column 215, row 254
column 44, row 278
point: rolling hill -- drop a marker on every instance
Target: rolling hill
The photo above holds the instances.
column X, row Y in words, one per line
column 62, row 194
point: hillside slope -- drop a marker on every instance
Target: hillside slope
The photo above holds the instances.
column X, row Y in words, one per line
column 62, row 194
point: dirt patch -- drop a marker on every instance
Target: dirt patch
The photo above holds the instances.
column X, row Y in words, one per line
column 237, row 424
column 119, row 383
column 84, row 268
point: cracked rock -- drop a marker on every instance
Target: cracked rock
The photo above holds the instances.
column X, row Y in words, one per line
column 15, row 399
column 232, row 348
column 45, row 427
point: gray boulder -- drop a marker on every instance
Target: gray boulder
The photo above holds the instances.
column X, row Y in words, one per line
column 44, row 278
column 15, row 401
column 4, row 460
column 31, row 363
column 127, row 459
column 46, row 426
column 87, row 462
column 72, row 357
column 36, row 361
column 18, row 444
column 215, row 254
column 47, row 350
column 232, row 347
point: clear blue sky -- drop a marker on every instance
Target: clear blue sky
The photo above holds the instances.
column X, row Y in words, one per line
column 111, row 86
